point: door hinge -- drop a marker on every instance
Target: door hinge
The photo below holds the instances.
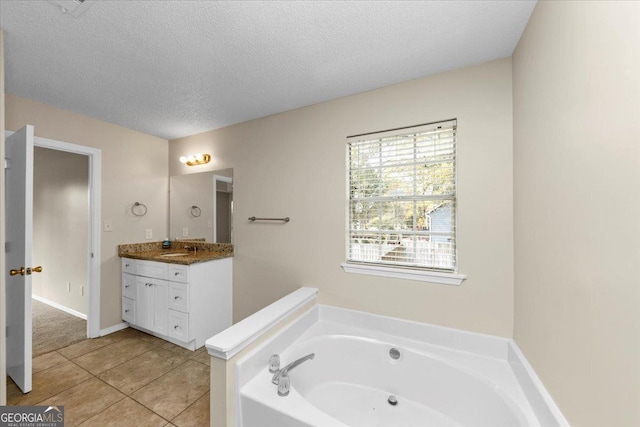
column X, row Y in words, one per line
column 6, row 163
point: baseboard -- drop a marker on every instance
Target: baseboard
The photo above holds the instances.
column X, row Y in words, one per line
column 59, row 307
column 115, row 328
column 543, row 405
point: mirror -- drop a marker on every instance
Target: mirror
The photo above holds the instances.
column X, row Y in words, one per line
column 201, row 206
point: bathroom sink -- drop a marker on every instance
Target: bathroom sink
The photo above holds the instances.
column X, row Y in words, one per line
column 175, row 254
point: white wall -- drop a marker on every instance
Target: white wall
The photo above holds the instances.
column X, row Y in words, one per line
column 134, row 169
column 61, row 227
column 576, row 84
column 293, row 164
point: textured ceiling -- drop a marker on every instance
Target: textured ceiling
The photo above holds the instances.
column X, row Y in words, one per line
column 175, row 68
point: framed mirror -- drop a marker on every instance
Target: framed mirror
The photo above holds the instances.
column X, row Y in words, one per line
column 201, row 206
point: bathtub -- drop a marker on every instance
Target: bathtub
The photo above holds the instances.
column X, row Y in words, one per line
column 364, row 363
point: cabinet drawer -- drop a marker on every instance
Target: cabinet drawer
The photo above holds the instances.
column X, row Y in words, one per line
column 152, row 269
column 179, row 325
column 179, row 297
column 129, row 310
column 128, row 266
column 179, row 273
column 129, row 286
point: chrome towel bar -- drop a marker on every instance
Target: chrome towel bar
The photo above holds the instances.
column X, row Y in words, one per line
column 253, row 219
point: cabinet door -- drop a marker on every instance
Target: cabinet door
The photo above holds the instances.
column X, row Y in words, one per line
column 160, row 306
column 179, row 325
column 144, row 300
column 129, row 310
column 129, row 286
column 179, row 297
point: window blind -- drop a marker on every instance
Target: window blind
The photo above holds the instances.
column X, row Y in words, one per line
column 402, row 197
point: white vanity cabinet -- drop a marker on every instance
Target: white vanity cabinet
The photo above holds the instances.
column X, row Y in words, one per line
column 183, row 304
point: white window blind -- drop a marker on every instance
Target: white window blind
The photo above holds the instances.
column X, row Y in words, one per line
column 402, row 197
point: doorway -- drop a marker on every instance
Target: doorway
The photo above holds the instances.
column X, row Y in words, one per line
column 223, row 209
column 84, row 286
column 61, row 244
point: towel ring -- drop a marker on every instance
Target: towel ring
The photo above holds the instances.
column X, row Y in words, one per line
column 139, row 209
column 195, row 211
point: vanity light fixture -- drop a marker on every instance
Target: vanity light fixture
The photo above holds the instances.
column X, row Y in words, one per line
column 195, row 159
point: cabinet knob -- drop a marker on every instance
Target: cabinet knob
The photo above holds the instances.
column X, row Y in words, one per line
column 126, row 286
column 126, row 311
column 127, row 265
column 175, row 326
column 176, row 297
column 177, row 273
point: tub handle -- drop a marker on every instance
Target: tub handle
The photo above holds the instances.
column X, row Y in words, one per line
column 274, row 363
column 284, row 386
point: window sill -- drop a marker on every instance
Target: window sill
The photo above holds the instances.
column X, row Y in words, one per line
column 454, row 279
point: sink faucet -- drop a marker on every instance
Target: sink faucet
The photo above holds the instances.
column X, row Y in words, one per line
column 285, row 371
column 193, row 248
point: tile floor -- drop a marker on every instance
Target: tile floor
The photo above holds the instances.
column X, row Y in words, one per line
column 127, row 378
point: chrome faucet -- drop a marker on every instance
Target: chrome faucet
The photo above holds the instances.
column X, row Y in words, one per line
column 284, row 372
column 193, row 248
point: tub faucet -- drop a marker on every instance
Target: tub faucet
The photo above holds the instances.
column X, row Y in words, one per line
column 285, row 371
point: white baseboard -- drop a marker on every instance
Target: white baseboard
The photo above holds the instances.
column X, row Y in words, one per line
column 543, row 405
column 59, row 307
column 115, row 328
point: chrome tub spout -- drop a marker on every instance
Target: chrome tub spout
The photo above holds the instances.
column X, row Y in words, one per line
column 285, row 371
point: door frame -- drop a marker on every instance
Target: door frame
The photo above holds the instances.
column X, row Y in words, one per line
column 95, row 198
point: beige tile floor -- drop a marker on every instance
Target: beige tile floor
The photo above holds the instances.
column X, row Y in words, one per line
column 128, row 378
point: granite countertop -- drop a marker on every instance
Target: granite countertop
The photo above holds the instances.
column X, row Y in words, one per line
column 152, row 251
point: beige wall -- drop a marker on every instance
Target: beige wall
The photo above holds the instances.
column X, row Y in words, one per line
column 3, row 350
column 61, row 220
column 293, row 164
column 576, row 74
column 134, row 168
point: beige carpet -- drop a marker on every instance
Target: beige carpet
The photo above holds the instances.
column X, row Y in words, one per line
column 54, row 329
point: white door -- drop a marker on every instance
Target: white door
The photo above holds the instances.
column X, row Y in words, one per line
column 19, row 226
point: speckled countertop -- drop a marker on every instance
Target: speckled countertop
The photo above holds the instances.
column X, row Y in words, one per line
column 152, row 251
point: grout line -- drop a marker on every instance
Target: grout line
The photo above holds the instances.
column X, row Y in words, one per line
column 125, row 395
column 187, row 408
column 62, row 391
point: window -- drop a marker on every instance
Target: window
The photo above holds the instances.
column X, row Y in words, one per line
column 402, row 198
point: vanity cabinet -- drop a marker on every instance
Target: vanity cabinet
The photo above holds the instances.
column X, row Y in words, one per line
column 183, row 304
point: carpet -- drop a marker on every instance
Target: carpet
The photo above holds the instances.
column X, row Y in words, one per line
column 54, row 329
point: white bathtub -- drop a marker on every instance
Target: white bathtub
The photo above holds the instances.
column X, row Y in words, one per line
column 443, row 378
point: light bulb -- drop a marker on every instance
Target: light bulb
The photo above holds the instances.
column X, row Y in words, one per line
column 191, row 158
column 183, row 159
column 199, row 157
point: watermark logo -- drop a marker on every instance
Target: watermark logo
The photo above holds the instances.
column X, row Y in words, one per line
column 31, row 416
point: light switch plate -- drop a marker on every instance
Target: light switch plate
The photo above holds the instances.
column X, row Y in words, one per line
column 185, row 232
column 149, row 233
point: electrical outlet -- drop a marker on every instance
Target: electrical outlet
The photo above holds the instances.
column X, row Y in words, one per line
column 107, row 225
column 185, row 232
column 68, row 286
column 149, row 233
